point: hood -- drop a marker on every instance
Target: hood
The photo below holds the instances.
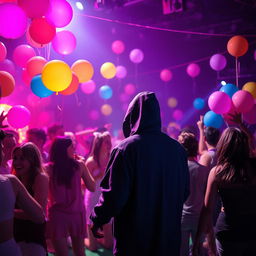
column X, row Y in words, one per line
column 143, row 115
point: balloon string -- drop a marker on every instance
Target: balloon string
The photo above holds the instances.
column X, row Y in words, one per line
column 237, row 72
column 194, row 87
column 78, row 102
column 136, row 75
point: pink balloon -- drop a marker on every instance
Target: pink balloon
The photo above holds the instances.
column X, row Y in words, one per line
column 129, row 89
column 118, row 47
column 18, row 116
column 22, row 54
column 64, row 42
column 60, row 13
column 219, row 102
column 88, row 87
column 218, row 62
column 121, row 72
column 94, row 115
column 136, row 56
column 3, row 51
column 34, row 65
column 193, row 70
column 34, row 8
column 32, row 42
column 250, row 116
column 8, row 66
column 13, row 21
column 177, row 114
column 166, row 75
column 26, row 78
column 243, row 101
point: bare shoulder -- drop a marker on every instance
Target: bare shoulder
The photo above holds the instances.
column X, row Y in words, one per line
column 42, row 176
column 91, row 163
column 16, row 184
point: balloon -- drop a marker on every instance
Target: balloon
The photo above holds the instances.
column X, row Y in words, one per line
column 166, row 75
column 41, row 31
column 108, row 70
column 218, row 62
column 243, row 101
column 88, row 87
column 72, row 87
column 105, row 92
column 251, row 88
column 22, row 54
column 129, row 89
column 32, row 42
column 26, row 78
column 38, row 88
column 106, row 109
column 118, row 47
column 7, row 1
column 250, row 116
column 219, row 102
column 7, row 84
column 83, row 69
column 94, row 115
column 172, row 102
column 121, row 72
column 35, row 65
column 193, row 70
column 212, row 119
column 237, row 46
column 8, row 66
column 64, row 42
column 56, row 75
column 3, row 51
column 136, row 56
column 229, row 89
column 13, row 21
column 34, row 9
column 18, row 116
column 60, row 13
column 198, row 103
column 177, row 115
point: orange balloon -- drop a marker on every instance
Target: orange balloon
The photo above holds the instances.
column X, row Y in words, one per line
column 7, row 84
column 83, row 69
column 72, row 87
column 35, row 65
column 237, row 46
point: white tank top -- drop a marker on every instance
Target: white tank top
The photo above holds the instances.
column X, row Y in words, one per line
column 7, row 199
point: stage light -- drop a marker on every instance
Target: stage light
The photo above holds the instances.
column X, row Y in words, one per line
column 79, row 6
column 223, row 83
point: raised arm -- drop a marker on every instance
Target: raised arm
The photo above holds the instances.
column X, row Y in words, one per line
column 201, row 145
column 87, row 177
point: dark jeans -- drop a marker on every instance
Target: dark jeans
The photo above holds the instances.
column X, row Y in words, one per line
column 247, row 248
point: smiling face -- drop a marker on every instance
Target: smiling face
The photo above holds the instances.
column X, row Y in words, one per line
column 20, row 164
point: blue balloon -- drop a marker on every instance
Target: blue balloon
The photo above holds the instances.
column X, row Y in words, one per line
column 213, row 120
column 105, row 92
column 38, row 88
column 229, row 89
column 198, row 103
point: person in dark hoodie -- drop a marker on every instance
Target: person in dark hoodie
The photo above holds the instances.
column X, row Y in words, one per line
column 145, row 186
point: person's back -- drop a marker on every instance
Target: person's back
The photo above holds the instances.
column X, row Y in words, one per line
column 146, row 184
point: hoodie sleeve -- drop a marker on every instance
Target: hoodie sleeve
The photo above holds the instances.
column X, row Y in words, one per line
column 116, row 187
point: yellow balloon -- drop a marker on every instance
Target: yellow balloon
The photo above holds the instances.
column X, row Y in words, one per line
column 251, row 88
column 172, row 102
column 106, row 110
column 83, row 69
column 108, row 70
column 56, row 75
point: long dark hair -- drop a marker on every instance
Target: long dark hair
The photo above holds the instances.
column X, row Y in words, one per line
column 31, row 153
column 63, row 167
column 233, row 154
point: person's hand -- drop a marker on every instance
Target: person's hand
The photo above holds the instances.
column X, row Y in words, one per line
column 200, row 123
column 95, row 230
column 235, row 118
column 2, row 117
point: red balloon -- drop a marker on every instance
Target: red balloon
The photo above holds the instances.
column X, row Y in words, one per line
column 34, row 8
column 237, row 46
column 42, row 31
column 7, row 84
column 72, row 87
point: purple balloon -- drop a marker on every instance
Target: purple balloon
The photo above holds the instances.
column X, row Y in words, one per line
column 13, row 21
column 218, row 62
column 136, row 56
column 64, row 42
column 8, row 66
column 193, row 70
column 18, row 116
column 219, row 102
column 60, row 13
column 34, row 8
column 177, row 114
column 121, row 72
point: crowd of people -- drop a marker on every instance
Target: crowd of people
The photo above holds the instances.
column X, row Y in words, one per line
column 148, row 194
